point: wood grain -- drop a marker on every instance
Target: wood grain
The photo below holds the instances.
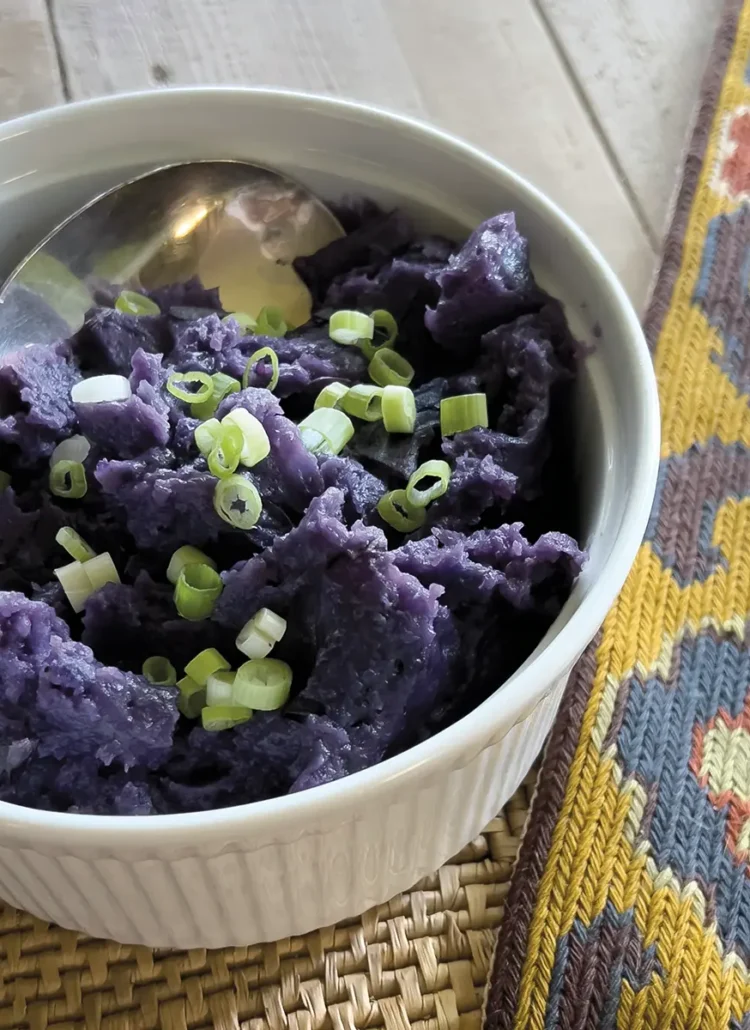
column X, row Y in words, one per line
column 639, row 64
column 29, row 72
column 486, row 69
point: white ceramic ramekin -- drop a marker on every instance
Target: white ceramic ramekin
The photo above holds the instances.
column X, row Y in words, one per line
column 286, row 866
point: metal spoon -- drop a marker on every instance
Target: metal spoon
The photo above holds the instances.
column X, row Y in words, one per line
column 235, row 225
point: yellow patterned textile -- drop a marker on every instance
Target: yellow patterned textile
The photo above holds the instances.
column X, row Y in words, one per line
column 630, row 905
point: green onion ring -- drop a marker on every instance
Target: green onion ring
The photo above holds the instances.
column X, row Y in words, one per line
column 68, row 479
column 466, row 411
column 159, row 671
column 389, row 368
column 198, row 396
column 131, row 303
column 435, row 469
column 399, row 409
column 237, row 501
column 197, row 591
column 260, row 355
column 395, row 509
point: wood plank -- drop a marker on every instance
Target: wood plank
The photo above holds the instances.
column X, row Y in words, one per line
column 485, row 69
column 29, row 70
column 640, row 64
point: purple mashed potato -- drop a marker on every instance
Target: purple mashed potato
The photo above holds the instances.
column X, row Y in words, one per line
column 390, row 637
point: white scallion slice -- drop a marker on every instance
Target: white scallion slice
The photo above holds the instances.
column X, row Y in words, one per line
column 256, row 445
column 215, row 718
column 75, row 583
column 349, row 327
column 74, row 544
column 4, row 481
column 263, row 684
column 101, row 389
column 183, row 556
column 75, row 448
column 258, row 636
column 335, row 428
column 219, row 688
column 100, row 570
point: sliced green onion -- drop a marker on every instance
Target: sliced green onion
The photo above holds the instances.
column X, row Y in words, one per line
column 75, row 584
column 395, row 509
column 204, row 391
column 159, row 671
column 4, row 481
column 389, row 368
column 101, row 390
column 255, row 443
column 467, row 411
column 131, row 303
column 101, row 570
column 326, row 431
column 197, row 591
column 68, row 479
column 186, row 555
column 399, row 409
column 385, row 321
column 237, row 501
column 192, row 698
column 263, row 684
column 74, row 544
column 206, row 663
column 261, row 355
column 225, row 457
column 207, row 435
column 223, row 717
column 219, row 688
column 349, row 327
column 437, row 470
column 365, row 402
column 75, row 448
column 223, row 386
column 270, row 322
column 258, row 636
column 243, row 320
column 80, row 580
column 386, row 331
column 331, row 396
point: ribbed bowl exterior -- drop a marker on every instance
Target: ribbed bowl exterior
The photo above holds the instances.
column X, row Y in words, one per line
column 265, row 889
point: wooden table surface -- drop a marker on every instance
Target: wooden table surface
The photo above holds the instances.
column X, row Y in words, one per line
column 590, row 99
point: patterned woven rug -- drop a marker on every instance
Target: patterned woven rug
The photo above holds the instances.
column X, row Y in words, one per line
column 630, row 905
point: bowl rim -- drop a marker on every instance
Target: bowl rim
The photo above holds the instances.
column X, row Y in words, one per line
column 529, row 685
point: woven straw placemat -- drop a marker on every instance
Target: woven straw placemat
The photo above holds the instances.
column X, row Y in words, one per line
column 421, row 961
